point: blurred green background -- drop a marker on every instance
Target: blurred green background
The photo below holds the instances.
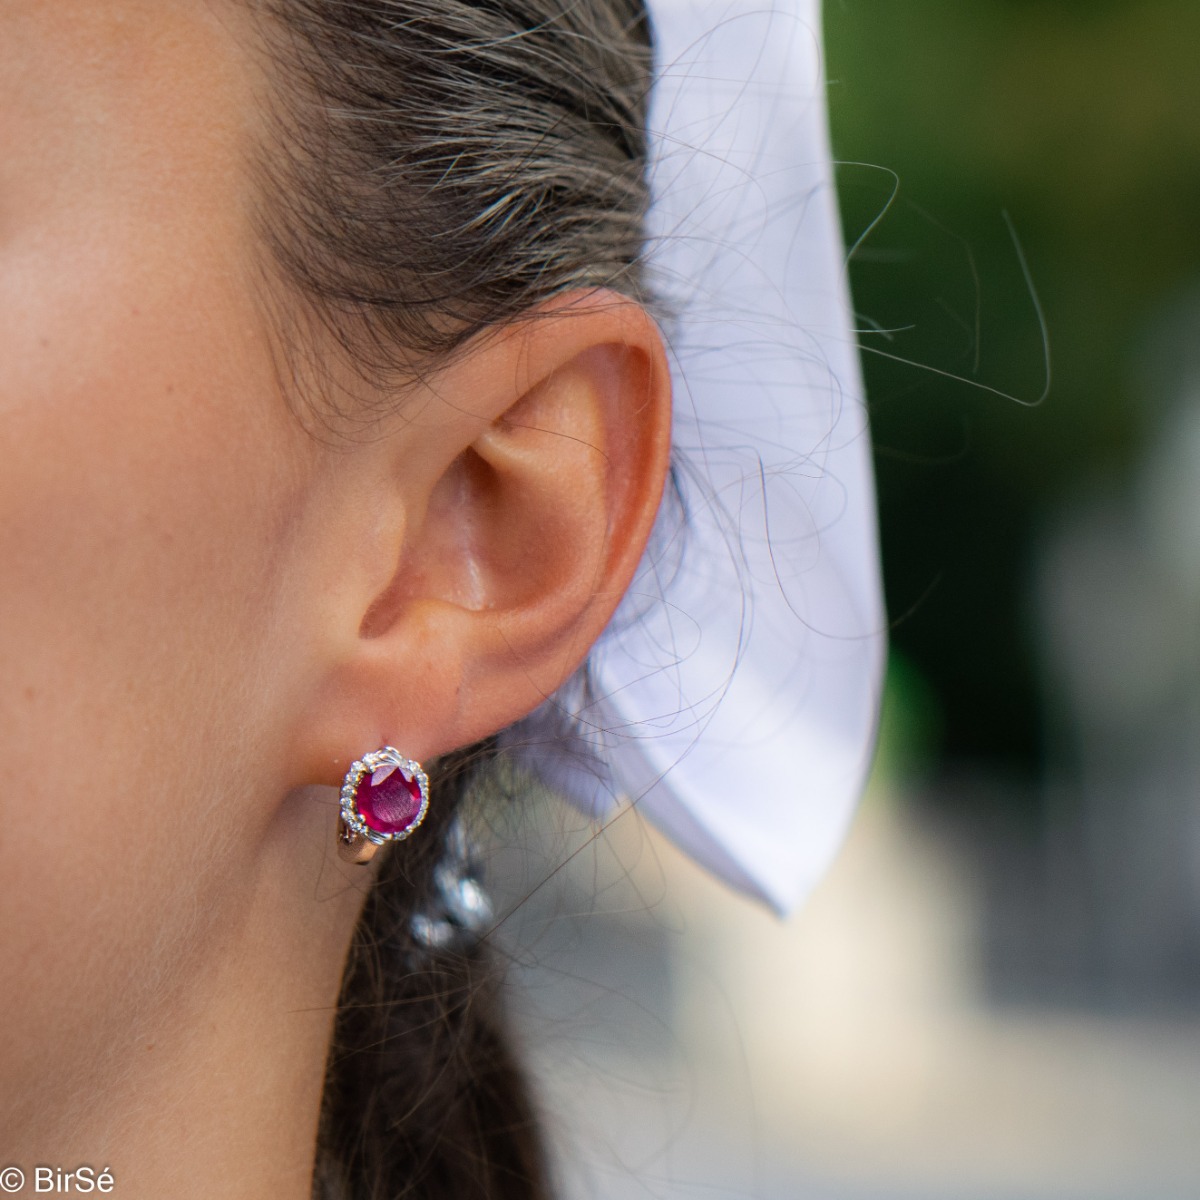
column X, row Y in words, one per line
column 1068, row 130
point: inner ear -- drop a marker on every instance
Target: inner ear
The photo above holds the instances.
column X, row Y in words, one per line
column 447, row 559
column 524, row 509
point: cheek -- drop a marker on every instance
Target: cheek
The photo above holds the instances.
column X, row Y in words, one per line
column 149, row 483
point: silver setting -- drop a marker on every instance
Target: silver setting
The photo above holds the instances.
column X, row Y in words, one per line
column 358, row 841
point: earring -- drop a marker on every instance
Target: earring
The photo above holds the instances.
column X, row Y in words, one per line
column 385, row 796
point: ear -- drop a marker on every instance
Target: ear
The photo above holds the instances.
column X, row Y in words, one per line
column 518, row 495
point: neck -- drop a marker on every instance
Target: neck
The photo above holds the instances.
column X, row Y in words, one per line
column 217, row 1090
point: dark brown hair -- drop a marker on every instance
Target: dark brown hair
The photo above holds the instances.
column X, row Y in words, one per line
column 423, row 1096
column 442, row 166
column 436, row 168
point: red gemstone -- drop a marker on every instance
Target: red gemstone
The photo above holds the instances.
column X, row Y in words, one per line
column 388, row 800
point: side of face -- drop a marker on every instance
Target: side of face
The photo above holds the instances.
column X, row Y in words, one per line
column 152, row 490
column 202, row 606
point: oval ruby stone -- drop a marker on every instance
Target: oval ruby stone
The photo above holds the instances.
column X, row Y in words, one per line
column 388, row 800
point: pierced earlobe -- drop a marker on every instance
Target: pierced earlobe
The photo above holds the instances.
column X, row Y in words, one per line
column 385, row 796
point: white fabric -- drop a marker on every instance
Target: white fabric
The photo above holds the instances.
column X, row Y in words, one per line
column 736, row 693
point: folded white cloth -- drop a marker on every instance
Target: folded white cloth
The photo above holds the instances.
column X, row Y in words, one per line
column 735, row 696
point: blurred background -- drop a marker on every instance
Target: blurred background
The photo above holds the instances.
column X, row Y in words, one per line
column 996, row 992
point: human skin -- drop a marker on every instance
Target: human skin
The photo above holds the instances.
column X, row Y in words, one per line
column 207, row 612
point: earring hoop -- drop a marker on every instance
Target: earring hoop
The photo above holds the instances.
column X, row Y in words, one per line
column 385, row 796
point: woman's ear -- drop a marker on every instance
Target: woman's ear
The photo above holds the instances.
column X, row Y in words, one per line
column 518, row 493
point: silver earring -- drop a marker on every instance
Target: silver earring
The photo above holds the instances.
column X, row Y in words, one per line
column 385, row 796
